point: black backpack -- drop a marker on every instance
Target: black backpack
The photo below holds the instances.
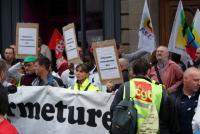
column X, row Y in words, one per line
column 124, row 119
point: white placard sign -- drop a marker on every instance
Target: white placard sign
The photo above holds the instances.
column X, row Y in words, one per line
column 71, row 46
column 106, row 57
column 26, row 39
column 107, row 62
column 54, row 110
column 71, row 43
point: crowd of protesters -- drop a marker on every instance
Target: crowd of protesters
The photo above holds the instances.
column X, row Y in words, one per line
column 180, row 83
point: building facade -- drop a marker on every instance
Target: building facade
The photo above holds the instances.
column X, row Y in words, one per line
column 94, row 19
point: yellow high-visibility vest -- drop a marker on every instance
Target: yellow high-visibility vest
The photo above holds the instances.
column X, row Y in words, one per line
column 84, row 85
column 144, row 93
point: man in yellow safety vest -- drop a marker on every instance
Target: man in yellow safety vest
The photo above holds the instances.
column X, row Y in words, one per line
column 146, row 94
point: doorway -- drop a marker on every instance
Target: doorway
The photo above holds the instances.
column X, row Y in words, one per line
column 167, row 14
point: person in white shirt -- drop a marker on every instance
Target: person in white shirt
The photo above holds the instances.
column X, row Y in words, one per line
column 196, row 119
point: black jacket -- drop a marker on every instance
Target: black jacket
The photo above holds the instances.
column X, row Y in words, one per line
column 10, row 89
column 179, row 114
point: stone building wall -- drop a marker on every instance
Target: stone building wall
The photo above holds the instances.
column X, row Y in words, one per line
column 131, row 11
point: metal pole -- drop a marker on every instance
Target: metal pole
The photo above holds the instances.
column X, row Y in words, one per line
column 83, row 27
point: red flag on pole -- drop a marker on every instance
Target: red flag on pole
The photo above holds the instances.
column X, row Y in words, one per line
column 57, row 43
column 191, row 51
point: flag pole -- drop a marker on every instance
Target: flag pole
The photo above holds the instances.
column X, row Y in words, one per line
column 83, row 27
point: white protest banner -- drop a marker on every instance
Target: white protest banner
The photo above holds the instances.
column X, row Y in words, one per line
column 53, row 110
column 106, row 58
column 26, row 39
column 71, row 43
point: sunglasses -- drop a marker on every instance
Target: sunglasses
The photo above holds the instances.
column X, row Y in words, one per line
column 28, row 64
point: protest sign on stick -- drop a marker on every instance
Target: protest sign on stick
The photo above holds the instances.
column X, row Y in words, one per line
column 26, row 39
column 71, row 43
column 106, row 58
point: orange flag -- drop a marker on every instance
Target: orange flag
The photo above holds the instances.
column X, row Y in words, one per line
column 57, row 43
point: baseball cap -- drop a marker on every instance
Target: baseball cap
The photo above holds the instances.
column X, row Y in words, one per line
column 30, row 59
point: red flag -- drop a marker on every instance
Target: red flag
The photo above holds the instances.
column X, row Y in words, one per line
column 191, row 51
column 57, row 43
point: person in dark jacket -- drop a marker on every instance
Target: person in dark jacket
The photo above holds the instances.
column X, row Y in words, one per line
column 30, row 75
column 186, row 99
column 177, row 58
column 9, row 57
column 5, row 126
column 44, row 76
column 124, row 68
column 125, row 73
column 3, row 72
column 197, row 59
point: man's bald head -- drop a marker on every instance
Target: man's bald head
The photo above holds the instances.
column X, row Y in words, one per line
column 123, row 63
column 190, row 72
column 191, row 79
column 162, row 53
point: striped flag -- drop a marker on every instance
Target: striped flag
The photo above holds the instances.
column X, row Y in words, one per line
column 196, row 27
column 195, row 35
column 177, row 41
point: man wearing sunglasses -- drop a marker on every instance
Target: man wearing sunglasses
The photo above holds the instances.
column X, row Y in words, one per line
column 30, row 75
column 22, row 73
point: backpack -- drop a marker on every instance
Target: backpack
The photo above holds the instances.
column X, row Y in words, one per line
column 124, row 119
